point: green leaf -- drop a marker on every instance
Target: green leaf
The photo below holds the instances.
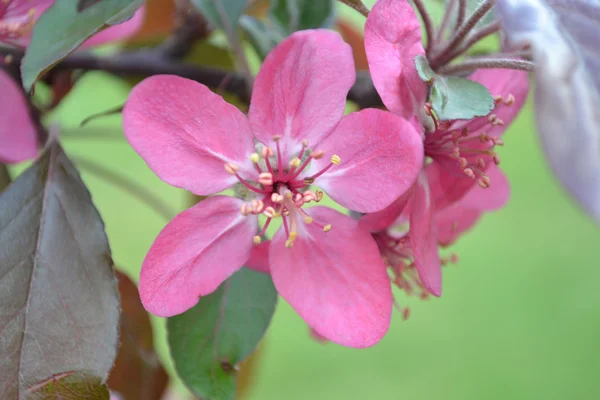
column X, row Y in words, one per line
column 294, row 15
column 453, row 97
column 460, row 98
column 424, row 70
column 70, row 386
column 260, row 36
column 59, row 303
column 223, row 14
column 208, row 341
column 61, row 29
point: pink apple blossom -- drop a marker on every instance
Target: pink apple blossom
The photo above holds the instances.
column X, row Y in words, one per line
column 461, row 152
column 295, row 135
column 17, row 18
column 18, row 133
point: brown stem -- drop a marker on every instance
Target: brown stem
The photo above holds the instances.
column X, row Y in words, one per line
column 358, row 6
column 149, row 62
column 462, row 11
column 461, row 32
column 4, row 177
column 446, row 20
column 475, row 37
column 476, row 63
column 427, row 22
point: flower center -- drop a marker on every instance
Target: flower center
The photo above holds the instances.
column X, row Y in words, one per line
column 15, row 27
column 282, row 188
column 473, row 152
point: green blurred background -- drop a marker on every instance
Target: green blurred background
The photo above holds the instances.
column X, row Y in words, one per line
column 518, row 318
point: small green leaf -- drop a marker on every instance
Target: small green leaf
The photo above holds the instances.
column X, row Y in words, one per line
column 76, row 385
column 223, row 14
column 460, row 98
column 260, row 36
column 208, row 341
column 62, row 29
column 453, row 97
column 294, row 15
column 424, row 70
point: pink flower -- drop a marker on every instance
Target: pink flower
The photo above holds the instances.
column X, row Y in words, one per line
column 328, row 269
column 462, row 152
column 18, row 133
column 17, row 18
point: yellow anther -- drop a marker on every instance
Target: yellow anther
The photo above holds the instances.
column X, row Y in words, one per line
column 295, row 162
column 308, row 220
column 327, row 228
column 304, row 142
column 256, row 239
column 276, row 138
column 288, row 195
column 254, row 157
column 289, row 244
column 317, row 155
column 335, row 159
column 319, row 194
column 308, row 181
column 293, row 236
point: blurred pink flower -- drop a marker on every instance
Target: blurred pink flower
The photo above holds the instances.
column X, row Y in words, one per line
column 18, row 133
column 18, row 136
column 17, row 18
column 461, row 152
column 328, row 269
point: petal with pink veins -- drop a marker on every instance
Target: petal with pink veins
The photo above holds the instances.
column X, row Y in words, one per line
column 194, row 254
column 18, row 134
column 381, row 155
column 423, row 237
column 335, row 280
column 186, row 134
column 117, row 32
column 300, row 90
column 392, row 41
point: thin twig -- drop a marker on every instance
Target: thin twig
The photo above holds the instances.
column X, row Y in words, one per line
column 461, row 32
column 358, row 6
column 427, row 22
column 475, row 37
column 4, row 177
column 476, row 63
column 462, row 12
column 130, row 186
column 446, row 20
column 147, row 63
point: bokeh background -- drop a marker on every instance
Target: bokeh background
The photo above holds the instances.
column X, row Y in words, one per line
column 518, row 318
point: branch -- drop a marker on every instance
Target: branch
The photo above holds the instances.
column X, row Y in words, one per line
column 476, row 63
column 149, row 62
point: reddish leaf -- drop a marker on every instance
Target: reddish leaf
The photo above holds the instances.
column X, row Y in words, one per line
column 69, row 386
column 137, row 373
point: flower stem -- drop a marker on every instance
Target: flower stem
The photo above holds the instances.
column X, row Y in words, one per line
column 462, row 31
column 446, row 20
column 476, row 63
column 357, row 5
column 128, row 185
column 462, row 11
column 427, row 22
column 475, row 37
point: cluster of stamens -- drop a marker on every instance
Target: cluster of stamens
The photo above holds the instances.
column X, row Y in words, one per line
column 16, row 28
column 281, row 191
column 472, row 152
column 398, row 257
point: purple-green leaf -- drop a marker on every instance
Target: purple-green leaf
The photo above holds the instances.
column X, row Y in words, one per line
column 69, row 386
column 59, row 306
column 563, row 36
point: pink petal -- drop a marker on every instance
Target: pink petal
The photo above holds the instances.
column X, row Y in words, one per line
column 446, row 185
column 423, row 238
column 378, row 221
column 118, row 32
column 381, row 156
column 194, row 254
column 259, row 258
column 300, row 91
column 392, row 41
column 335, row 280
column 18, row 134
column 187, row 134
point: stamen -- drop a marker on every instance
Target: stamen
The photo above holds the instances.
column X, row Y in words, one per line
column 335, row 160
column 327, row 228
column 256, row 239
column 231, row 168
column 265, row 179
